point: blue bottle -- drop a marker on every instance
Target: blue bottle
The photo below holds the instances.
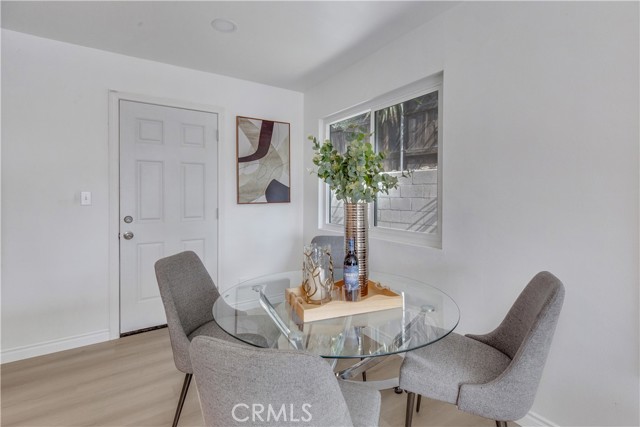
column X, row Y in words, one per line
column 351, row 273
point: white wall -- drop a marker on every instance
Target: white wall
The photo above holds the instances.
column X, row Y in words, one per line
column 55, row 289
column 540, row 173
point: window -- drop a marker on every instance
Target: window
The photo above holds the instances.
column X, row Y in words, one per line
column 339, row 136
column 408, row 133
column 406, row 126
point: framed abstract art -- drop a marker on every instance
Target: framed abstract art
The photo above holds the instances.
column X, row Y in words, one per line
column 263, row 161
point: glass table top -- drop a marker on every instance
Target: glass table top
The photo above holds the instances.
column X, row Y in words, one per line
column 256, row 312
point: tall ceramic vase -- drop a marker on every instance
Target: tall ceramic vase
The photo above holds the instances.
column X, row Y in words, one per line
column 356, row 227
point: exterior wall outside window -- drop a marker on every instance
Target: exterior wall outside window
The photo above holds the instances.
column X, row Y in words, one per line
column 407, row 129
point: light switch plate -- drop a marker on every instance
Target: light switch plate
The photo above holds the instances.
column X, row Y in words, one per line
column 85, row 198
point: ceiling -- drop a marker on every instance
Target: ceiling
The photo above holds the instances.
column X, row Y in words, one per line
column 293, row 45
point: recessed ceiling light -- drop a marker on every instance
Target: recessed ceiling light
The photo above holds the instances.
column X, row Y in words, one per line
column 224, row 25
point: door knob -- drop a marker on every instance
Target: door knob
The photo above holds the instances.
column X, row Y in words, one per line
column 128, row 235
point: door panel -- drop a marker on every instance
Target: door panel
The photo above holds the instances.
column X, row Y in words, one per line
column 193, row 191
column 147, row 255
column 168, row 185
column 150, row 190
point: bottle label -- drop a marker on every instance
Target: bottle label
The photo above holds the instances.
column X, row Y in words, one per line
column 351, row 278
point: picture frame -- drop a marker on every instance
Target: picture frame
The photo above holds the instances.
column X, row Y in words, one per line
column 262, row 161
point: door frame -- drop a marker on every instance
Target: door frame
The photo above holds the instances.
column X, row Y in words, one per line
column 114, row 189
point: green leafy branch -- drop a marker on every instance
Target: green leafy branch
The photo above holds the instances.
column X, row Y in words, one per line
column 356, row 176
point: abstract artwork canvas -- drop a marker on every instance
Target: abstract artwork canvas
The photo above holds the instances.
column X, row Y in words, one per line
column 263, row 161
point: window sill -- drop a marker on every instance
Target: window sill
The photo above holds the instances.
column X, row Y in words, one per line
column 433, row 241
column 425, row 240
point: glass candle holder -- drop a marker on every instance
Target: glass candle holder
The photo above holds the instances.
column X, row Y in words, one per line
column 317, row 274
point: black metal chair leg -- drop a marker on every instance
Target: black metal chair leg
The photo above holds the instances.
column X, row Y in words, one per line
column 183, row 396
column 418, row 404
column 501, row 423
column 364, row 373
column 408, row 418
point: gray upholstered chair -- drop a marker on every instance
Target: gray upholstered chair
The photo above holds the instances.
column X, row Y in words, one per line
column 337, row 247
column 241, row 386
column 494, row 375
column 188, row 294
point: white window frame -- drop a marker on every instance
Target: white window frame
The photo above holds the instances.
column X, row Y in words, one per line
column 414, row 90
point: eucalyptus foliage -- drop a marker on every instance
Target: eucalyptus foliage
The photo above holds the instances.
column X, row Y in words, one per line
column 357, row 175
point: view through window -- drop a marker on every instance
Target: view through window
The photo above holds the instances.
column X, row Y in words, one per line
column 340, row 134
column 408, row 133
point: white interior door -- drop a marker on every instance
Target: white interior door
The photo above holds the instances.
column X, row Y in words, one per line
column 168, row 200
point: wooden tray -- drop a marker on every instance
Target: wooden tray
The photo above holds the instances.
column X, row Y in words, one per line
column 378, row 298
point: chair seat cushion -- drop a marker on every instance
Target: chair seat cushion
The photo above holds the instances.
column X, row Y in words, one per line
column 438, row 370
column 363, row 403
column 211, row 329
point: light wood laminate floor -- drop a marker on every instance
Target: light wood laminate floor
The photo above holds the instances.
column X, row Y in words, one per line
column 132, row 381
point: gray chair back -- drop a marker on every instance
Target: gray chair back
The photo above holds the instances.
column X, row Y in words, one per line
column 188, row 294
column 241, row 385
column 337, row 247
column 525, row 336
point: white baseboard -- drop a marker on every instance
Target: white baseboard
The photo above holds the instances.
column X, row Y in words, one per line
column 534, row 420
column 39, row 349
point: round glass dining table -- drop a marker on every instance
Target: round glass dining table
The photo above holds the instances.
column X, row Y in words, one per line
column 256, row 312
